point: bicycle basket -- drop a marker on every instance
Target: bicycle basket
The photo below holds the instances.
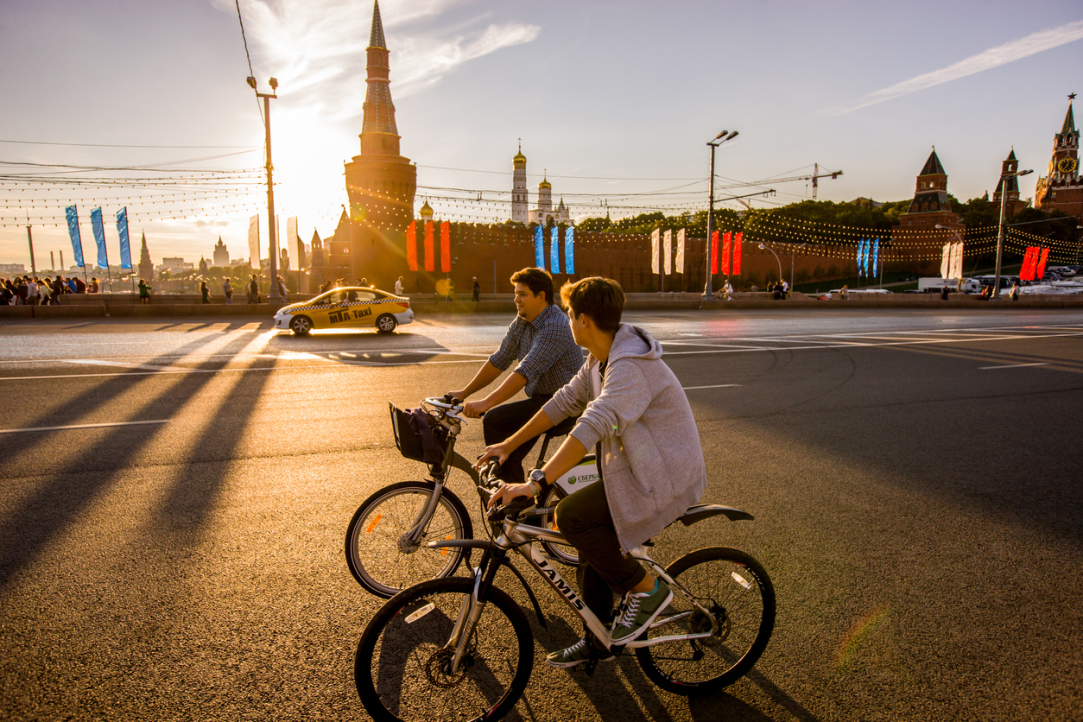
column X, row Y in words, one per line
column 418, row 435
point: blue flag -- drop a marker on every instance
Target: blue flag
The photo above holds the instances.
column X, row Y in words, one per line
column 569, row 250
column 73, row 230
column 875, row 255
column 539, row 247
column 99, row 237
column 122, row 231
column 862, row 256
column 554, row 251
column 865, row 255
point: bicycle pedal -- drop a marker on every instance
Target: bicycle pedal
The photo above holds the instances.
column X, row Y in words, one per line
column 589, row 669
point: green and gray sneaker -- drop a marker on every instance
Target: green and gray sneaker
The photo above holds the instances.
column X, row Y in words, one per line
column 640, row 609
column 577, row 654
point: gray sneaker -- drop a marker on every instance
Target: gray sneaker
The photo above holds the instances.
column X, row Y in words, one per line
column 640, row 609
column 577, row 654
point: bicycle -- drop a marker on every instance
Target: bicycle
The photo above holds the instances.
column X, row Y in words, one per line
column 404, row 516
column 463, row 646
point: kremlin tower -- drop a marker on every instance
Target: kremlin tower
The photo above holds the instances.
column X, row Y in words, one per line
column 1062, row 188
column 380, row 182
column 519, row 198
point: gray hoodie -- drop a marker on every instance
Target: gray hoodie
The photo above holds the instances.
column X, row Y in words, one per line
column 651, row 460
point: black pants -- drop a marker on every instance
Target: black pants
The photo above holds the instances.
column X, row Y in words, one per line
column 585, row 521
column 502, row 421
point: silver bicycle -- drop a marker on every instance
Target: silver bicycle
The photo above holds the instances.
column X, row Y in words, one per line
column 461, row 648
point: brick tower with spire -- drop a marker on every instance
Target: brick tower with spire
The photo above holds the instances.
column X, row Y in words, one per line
column 146, row 267
column 380, row 182
column 1012, row 204
column 1062, row 188
column 931, row 206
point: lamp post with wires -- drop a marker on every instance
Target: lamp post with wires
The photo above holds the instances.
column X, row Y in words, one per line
column 708, row 291
column 768, row 248
column 274, row 294
column 1004, row 178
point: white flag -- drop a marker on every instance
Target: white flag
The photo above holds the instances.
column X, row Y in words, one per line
column 654, row 250
column 957, row 257
column 667, row 253
column 678, row 262
column 944, row 261
column 253, row 242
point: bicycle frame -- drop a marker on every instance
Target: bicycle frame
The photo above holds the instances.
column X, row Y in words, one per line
column 520, row 538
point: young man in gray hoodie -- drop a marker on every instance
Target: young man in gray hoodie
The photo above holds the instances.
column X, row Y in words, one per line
column 635, row 413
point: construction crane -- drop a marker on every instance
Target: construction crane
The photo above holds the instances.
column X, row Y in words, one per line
column 815, row 177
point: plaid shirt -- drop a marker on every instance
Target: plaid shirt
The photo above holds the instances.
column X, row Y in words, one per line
column 547, row 354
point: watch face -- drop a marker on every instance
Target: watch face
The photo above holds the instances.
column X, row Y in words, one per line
column 1067, row 165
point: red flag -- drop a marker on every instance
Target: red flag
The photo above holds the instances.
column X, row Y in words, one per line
column 714, row 252
column 1030, row 258
column 429, row 261
column 727, row 242
column 1040, row 271
column 737, row 240
column 411, row 246
column 445, row 247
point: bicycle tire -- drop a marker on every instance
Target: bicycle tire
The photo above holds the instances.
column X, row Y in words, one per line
column 372, row 538
column 563, row 553
column 737, row 590
column 398, row 671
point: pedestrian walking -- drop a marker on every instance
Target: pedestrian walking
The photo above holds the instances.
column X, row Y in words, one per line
column 398, row 286
column 476, row 290
column 227, row 291
column 253, row 290
column 204, row 292
column 144, row 292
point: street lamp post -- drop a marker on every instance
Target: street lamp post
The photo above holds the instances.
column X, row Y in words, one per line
column 274, row 294
column 793, row 259
column 1004, row 177
column 708, row 290
column 768, row 248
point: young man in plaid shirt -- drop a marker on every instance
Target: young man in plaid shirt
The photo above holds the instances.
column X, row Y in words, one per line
column 541, row 341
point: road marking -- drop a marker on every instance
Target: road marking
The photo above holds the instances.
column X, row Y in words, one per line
column 82, row 426
column 100, row 362
column 1013, row 366
column 716, row 386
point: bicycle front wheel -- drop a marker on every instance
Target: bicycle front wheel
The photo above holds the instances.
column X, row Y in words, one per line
column 740, row 601
column 403, row 668
column 375, row 552
column 563, row 553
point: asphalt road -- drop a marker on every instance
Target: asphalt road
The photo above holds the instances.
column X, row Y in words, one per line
column 174, row 496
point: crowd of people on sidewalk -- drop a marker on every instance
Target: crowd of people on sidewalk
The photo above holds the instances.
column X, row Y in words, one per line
column 30, row 290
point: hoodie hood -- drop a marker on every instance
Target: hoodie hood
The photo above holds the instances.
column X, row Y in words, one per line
column 635, row 343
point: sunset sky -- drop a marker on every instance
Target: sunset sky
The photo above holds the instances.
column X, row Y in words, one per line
column 614, row 100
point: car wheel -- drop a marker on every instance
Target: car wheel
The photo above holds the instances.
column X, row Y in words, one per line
column 301, row 325
column 386, row 323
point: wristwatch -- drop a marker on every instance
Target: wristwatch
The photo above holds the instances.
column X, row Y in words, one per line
column 537, row 479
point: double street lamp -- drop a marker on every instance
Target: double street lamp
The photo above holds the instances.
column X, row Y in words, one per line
column 1004, row 178
column 768, row 248
column 708, row 290
column 274, row 294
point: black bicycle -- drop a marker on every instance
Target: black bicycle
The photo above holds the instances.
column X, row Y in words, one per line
column 461, row 648
column 387, row 539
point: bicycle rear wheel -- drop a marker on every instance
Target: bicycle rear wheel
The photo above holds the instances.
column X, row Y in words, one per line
column 402, row 665
column 373, row 550
column 738, row 594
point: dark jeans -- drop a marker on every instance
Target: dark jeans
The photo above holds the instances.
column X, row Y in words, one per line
column 502, row 421
column 585, row 521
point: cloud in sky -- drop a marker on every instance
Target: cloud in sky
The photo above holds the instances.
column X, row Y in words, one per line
column 318, row 49
column 986, row 60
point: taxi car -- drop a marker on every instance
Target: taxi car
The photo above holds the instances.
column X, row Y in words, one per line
column 349, row 307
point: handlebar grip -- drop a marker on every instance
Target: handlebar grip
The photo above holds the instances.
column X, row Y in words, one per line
column 513, row 508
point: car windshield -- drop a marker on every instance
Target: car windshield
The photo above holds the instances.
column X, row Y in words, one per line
column 345, row 295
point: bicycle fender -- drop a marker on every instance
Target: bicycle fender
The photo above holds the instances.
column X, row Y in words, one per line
column 459, row 462
column 699, row 512
column 529, row 592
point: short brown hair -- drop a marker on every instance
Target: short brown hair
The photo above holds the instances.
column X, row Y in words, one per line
column 600, row 298
column 537, row 280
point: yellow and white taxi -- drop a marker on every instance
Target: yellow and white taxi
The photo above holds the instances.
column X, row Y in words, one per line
column 350, row 307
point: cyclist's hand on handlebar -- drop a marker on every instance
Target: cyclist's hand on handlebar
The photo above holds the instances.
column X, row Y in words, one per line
column 496, row 451
column 455, row 395
column 506, row 493
column 474, row 409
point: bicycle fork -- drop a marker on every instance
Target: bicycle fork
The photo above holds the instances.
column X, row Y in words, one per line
column 411, row 540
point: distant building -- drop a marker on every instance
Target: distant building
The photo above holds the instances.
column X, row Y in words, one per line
column 520, row 199
column 1012, row 204
column 146, row 268
column 8, row 269
column 931, row 206
column 221, row 255
column 175, row 265
column 1062, row 188
column 544, row 214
